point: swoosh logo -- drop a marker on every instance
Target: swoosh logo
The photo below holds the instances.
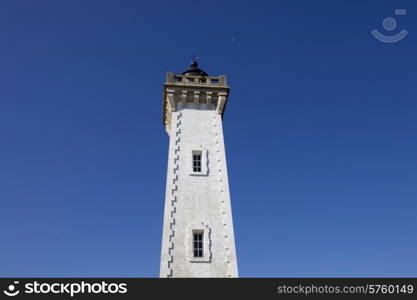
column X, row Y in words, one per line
column 389, row 38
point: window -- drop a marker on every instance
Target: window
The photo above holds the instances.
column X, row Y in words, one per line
column 198, row 243
column 196, row 161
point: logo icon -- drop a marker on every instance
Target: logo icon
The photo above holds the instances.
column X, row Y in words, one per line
column 11, row 291
column 389, row 24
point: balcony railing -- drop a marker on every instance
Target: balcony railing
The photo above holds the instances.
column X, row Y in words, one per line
column 205, row 80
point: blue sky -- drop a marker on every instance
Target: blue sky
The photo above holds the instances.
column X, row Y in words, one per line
column 320, row 131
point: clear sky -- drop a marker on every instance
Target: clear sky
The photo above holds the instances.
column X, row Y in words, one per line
column 320, row 133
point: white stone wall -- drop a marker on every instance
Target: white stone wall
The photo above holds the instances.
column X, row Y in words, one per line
column 197, row 201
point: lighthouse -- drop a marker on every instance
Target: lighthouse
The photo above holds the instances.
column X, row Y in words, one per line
column 198, row 237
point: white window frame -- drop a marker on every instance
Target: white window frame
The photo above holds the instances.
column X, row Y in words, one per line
column 204, row 160
column 200, row 154
column 199, row 228
column 196, row 232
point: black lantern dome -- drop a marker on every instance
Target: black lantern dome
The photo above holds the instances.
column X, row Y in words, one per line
column 194, row 70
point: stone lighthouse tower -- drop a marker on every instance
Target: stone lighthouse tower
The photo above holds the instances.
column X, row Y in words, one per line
column 198, row 238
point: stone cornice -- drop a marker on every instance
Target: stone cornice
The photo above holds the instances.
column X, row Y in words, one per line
column 199, row 92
